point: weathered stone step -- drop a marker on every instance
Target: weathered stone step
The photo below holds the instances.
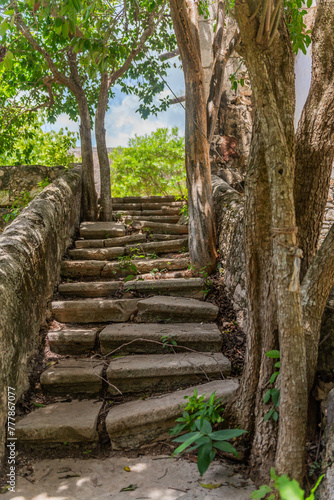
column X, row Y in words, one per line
column 153, row 417
column 115, row 252
column 163, row 372
column 111, row 242
column 96, row 230
column 144, row 213
column 178, row 245
column 96, row 253
column 72, row 341
column 175, row 309
column 74, row 422
column 142, row 338
column 146, row 199
column 94, row 310
column 73, row 376
column 160, row 227
column 193, row 287
column 169, row 219
column 102, row 269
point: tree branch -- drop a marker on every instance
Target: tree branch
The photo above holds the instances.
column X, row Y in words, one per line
column 315, row 289
column 23, row 28
column 151, row 26
column 169, row 55
column 177, row 100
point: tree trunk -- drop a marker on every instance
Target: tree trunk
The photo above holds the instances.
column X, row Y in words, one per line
column 202, row 232
column 315, row 135
column 89, row 197
column 100, row 134
column 272, row 77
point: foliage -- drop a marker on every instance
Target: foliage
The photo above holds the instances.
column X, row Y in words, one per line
column 273, row 393
column 151, row 165
column 294, row 17
column 197, row 418
column 288, row 489
column 25, row 198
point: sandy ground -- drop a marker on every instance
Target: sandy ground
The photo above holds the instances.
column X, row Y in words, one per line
column 153, row 478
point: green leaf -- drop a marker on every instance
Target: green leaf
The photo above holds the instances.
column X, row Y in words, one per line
column 210, row 486
column 311, row 497
column 273, row 377
column 261, row 492
column 188, row 442
column 275, row 394
column 65, row 30
column 266, row 397
column 269, row 414
column 204, row 457
column 226, row 434
column 309, row 3
column 227, row 447
column 289, row 490
column 4, row 27
column 275, row 416
column 277, row 365
column 131, row 487
column 204, row 426
column 273, row 354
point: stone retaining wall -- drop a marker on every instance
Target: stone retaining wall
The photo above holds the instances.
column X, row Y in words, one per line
column 31, row 249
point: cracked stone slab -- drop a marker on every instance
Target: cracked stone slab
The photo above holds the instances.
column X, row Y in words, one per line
column 192, row 287
column 178, row 245
column 169, row 219
column 175, row 309
column 74, row 422
column 160, row 227
column 81, row 268
column 73, row 376
column 154, row 416
column 96, row 253
column 97, row 230
column 75, row 341
column 113, row 269
column 142, row 337
column 89, row 288
column 94, row 310
column 160, row 372
column 111, row 242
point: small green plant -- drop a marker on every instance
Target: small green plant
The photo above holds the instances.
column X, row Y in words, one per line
column 125, row 263
column 43, row 184
column 184, row 212
column 273, row 394
column 288, row 489
column 168, row 342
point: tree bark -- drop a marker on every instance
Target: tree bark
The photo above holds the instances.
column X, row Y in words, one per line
column 102, row 151
column 202, row 232
column 272, row 76
column 315, row 135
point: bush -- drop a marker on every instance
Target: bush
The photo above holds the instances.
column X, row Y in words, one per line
column 151, row 165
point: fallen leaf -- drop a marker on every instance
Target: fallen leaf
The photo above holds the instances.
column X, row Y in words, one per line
column 127, row 469
column 38, row 405
column 131, row 487
column 210, row 486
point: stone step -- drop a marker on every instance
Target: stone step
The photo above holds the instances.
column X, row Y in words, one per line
column 143, row 212
column 102, row 269
column 159, row 247
column 74, row 422
column 111, row 242
column 89, row 288
column 72, row 341
column 145, row 199
column 182, row 287
column 96, row 230
column 113, row 253
column 164, row 372
column 96, row 253
column 169, row 219
column 94, row 310
column 155, row 416
column 160, row 227
column 73, row 376
column 142, row 338
column 175, row 309
column 193, row 287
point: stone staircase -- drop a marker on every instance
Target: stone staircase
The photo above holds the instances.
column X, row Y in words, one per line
column 132, row 333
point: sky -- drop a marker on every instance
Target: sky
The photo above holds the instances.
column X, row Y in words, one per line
column 122, row 121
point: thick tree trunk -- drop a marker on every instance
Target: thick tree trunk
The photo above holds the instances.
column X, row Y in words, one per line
column 202, row 232
column 272, row 78
column 100, row 135
column 315, row 135
column 89, row 197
